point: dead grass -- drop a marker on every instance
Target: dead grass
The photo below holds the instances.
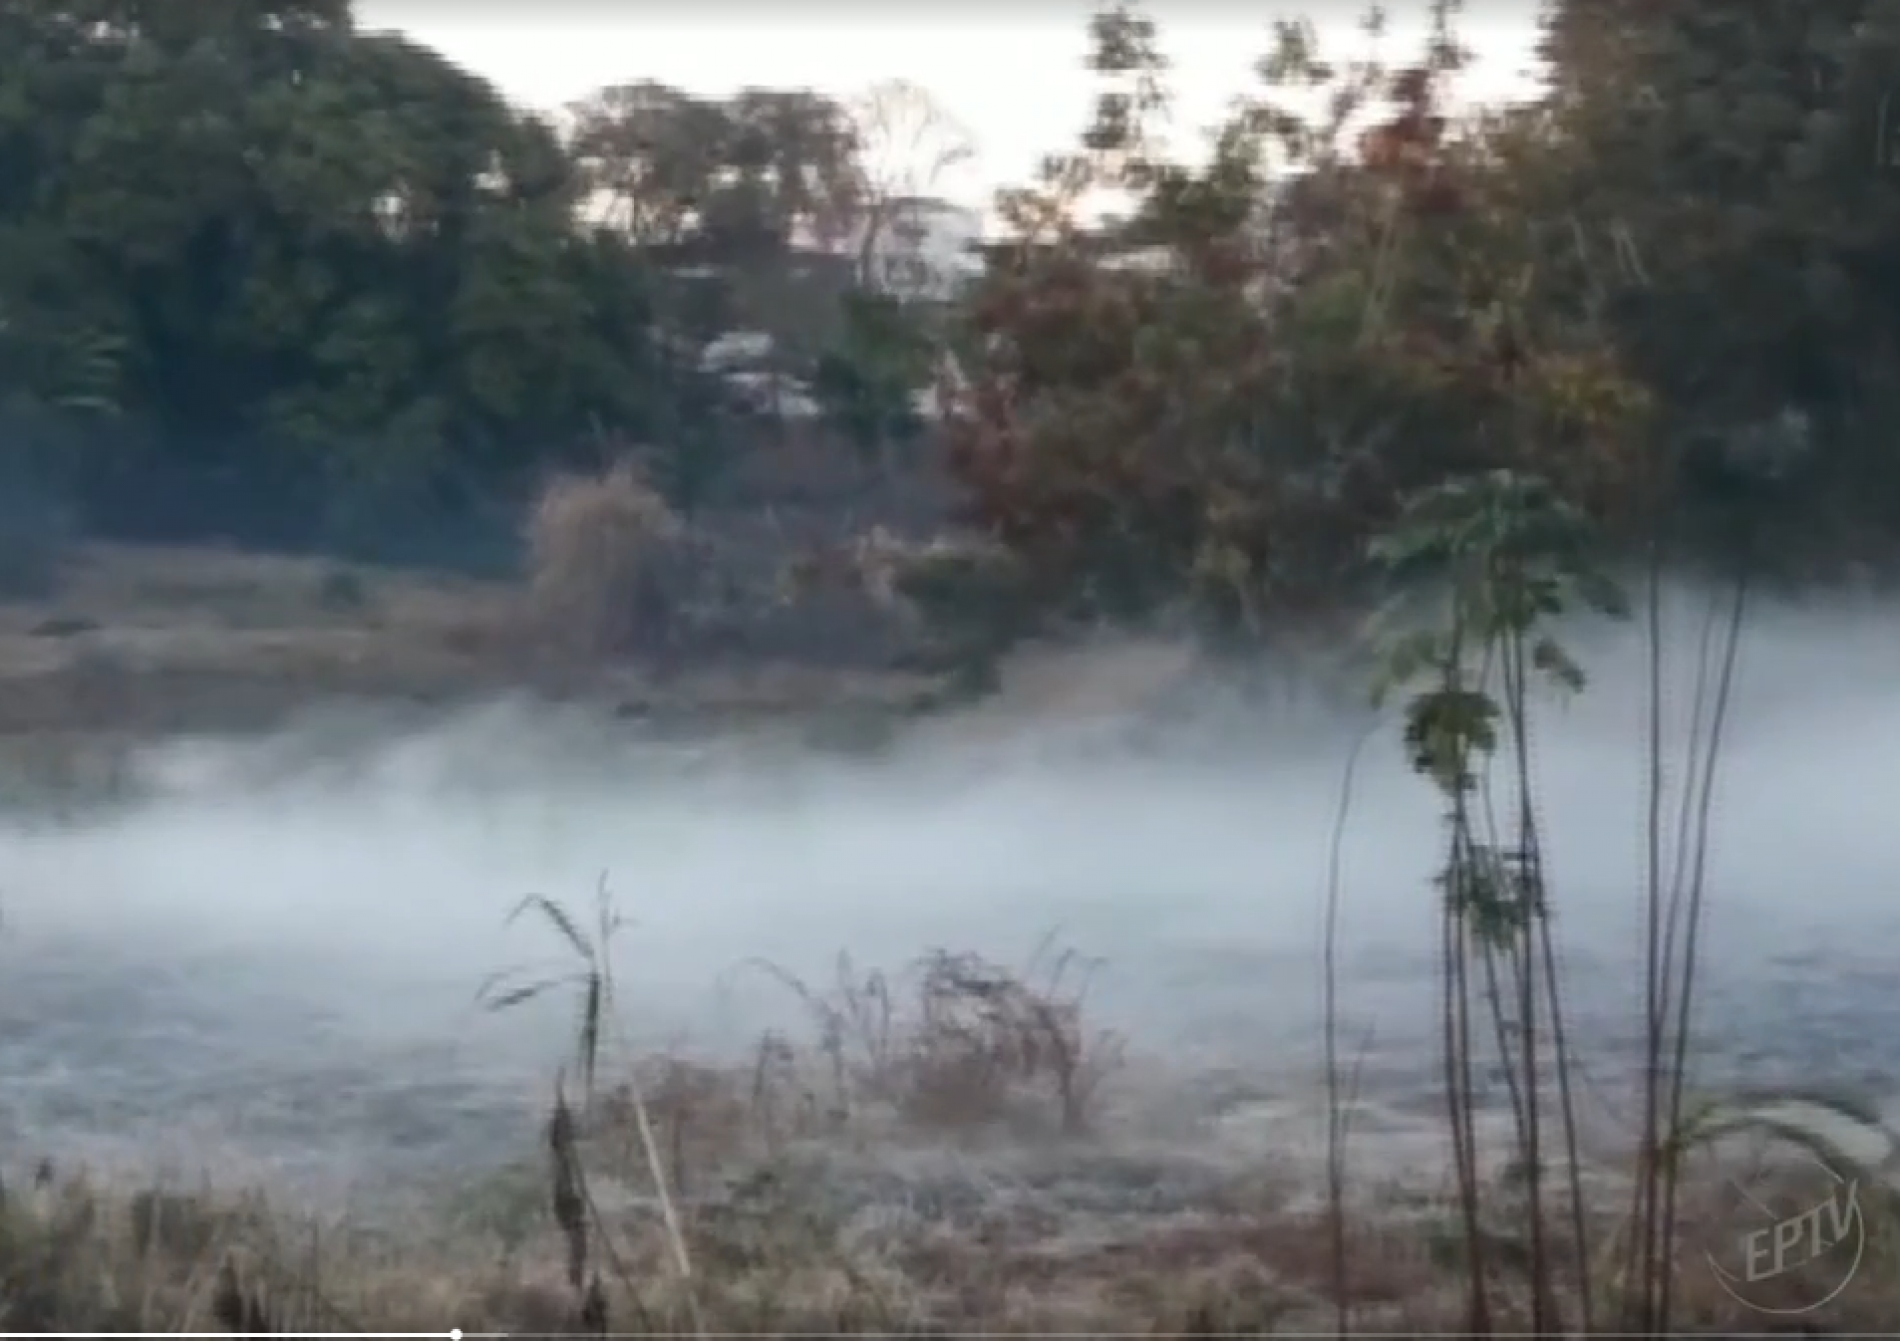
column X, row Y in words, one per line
column 620, row 596
column 960, row 1043
column 154, row 640
column 677, row 1195
column 142, row 640
column 602, row 551
column 771, row 1260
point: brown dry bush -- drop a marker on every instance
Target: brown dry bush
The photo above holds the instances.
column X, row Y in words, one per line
column 946, row 605
column 962, row 1043
column 604, row 554
column 985, row 1034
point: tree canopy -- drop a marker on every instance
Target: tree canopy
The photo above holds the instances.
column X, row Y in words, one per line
column 1664, row 287
column 266, row 275
column 316, row 282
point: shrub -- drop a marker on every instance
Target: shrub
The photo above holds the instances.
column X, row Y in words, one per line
column 961, row 1042
column 971, row 598
column 602, row 551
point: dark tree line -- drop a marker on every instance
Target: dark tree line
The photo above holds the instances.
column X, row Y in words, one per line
column 266, row 276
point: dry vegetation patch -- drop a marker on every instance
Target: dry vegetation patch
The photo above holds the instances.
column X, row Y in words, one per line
column 931, row 1156
column 604, row 554
column 958, row 1042
column 777, row 1253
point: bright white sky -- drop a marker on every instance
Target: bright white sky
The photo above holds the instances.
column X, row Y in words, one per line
column 1014, row 78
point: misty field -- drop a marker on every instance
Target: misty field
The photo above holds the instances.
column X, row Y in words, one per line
column 1001, row 1018
column 670, row 710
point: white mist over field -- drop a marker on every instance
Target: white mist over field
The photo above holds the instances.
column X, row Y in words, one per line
column 279, row 954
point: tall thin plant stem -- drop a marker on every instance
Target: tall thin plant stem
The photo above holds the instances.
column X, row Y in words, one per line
column 1337, row 1117
column 1644, row 1243
column 1692, row 919
column 1460, row 1080
column 1532, row 871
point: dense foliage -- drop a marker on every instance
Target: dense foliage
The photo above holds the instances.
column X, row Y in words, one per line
column 1665, row 289
column 265, row 275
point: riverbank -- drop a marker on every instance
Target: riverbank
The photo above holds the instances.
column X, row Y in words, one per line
column 155, row 641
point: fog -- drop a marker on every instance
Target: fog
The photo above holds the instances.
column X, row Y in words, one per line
column 275, row 958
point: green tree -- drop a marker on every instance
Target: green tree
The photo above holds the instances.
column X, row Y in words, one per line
column 330, row 266
column 868, row 381
column 737, row 205
column 1733, row 173
column 711, row 179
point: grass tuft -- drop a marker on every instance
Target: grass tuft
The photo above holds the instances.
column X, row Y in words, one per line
column 601, row 550
column 958, row 1043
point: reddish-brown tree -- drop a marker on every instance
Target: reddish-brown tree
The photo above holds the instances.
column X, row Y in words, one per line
column 1220, row 398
